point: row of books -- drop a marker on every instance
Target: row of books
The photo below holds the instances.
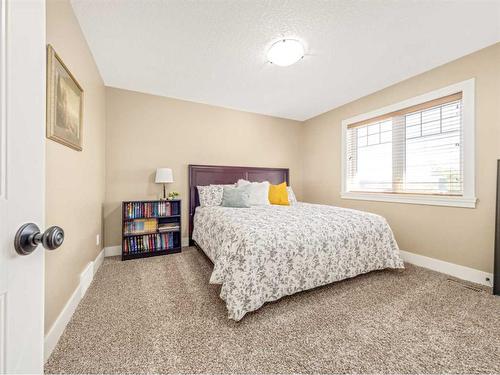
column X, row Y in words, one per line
column 168, row 227
column 148, row 243
column 141, row 226
column 135, row 210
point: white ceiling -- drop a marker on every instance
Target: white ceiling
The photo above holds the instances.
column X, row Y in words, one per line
column 215, row 51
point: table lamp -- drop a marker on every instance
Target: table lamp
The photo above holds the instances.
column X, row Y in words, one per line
column 164, row 176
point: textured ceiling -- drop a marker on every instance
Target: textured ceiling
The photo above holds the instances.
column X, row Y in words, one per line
column 215, row 51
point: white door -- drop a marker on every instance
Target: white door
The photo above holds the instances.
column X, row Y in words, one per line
column 22, row 123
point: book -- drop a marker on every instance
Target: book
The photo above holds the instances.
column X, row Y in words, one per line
column 136, row 210
column 140, row 226
column 168, row 227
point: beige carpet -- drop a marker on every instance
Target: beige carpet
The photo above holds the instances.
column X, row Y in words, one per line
column 160, row 315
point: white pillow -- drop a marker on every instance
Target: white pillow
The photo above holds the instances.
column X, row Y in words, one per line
column 242, row 182
column 292, row 199
column 210, row 195
column 258, row 192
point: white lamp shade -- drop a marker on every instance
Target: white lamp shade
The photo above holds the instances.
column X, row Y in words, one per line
column 164, row 175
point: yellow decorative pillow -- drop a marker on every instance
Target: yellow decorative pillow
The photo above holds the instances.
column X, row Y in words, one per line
column 278, row 194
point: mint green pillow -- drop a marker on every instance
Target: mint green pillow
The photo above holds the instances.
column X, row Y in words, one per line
column 235, row 197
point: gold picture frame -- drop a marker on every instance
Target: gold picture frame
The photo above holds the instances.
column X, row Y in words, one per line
column 64, row 103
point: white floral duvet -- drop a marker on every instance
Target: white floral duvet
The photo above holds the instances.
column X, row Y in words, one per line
column 261, row 254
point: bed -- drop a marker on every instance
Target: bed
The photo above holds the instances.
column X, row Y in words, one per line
column 261, row 254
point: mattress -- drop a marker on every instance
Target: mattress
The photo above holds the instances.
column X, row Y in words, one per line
column 261, row 254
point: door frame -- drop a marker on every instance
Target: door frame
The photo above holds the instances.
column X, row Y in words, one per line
column 3, row 164
column 22, row 182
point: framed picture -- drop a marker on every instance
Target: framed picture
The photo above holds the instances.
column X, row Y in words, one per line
column 64, row 103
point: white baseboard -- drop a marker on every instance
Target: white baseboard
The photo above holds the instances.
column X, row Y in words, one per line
column 57, row 329
column 452, row 269
column 98, row 261
column 86, row 278
column 112, row 251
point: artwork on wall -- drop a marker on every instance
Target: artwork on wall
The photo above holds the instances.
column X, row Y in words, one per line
column 64, row 103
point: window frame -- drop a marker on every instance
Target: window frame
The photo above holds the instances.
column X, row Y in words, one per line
column 468, row 198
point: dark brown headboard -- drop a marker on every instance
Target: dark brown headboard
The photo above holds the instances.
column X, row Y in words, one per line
column 200, row 175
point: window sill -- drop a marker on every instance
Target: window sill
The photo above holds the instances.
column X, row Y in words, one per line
column 432, row 200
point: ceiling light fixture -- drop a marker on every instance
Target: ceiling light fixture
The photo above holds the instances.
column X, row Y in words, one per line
column 285, row 52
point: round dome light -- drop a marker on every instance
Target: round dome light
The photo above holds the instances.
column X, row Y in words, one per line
column 285, row 52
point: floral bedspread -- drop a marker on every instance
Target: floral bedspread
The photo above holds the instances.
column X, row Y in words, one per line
column 261, row 254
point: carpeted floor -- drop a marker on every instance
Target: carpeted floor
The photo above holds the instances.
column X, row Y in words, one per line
column 160, row 315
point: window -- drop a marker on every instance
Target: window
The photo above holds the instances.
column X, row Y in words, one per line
column 417, row 151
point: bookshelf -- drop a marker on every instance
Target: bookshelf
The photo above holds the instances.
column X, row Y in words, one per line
column 151, row 228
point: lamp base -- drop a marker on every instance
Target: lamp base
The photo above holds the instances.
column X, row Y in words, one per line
column 164, row 198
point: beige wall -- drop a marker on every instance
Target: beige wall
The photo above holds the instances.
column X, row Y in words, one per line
column 74, row 180
column 145, row 132
column 458, row 235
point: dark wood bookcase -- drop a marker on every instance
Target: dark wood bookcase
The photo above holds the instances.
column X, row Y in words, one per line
column 151, row 228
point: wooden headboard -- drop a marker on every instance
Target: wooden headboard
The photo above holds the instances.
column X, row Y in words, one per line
column 200, row 175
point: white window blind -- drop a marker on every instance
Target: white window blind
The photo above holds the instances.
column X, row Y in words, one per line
column 415, row 150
